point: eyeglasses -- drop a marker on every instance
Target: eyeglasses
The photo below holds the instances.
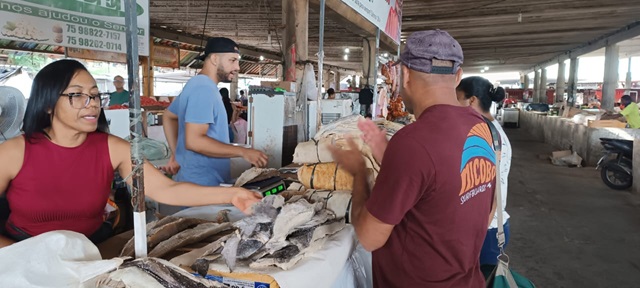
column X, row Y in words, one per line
column 82, row 100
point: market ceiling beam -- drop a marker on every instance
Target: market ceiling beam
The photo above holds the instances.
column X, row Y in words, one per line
column 624, row 33
column 179, row 37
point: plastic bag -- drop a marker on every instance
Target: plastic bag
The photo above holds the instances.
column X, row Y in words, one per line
column 309, row 88
column 153, row 149
column 572, row 160
column 363, row 278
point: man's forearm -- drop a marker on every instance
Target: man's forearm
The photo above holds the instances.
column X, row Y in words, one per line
column 213, row 148
column 187, row 194
column 170, row 127
column 359, row 196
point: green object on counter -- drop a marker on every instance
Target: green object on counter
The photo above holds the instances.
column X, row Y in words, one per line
column 278, row 89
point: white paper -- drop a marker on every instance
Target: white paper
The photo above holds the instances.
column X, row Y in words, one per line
column 53, row 259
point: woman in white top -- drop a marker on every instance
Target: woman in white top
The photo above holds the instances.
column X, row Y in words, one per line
column 479, row 93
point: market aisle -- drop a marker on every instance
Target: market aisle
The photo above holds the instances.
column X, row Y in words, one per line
column 567, row 228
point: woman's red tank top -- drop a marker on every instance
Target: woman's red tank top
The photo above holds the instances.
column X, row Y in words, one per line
column 60, row 188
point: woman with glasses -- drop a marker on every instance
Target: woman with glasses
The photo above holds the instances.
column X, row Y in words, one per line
column 58, row 175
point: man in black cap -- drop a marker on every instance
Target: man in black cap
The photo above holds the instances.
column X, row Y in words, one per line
column 196, row 124
column 427, row 215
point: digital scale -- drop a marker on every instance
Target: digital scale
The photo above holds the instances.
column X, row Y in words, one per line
column 266, row 187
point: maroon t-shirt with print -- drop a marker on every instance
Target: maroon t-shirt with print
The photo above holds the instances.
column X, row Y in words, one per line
column 436, row 186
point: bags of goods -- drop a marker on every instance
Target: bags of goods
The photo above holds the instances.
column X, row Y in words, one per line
column 337, row 133
column 348, row 127
column 327, row 176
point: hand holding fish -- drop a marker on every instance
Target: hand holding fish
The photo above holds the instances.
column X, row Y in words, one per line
column 350, row 160
column 244, row 199
column 375, row 137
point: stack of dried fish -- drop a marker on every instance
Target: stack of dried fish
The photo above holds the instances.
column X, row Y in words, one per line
column 170, row 233
column 349, row 126
column 152, row 273
column 277, row 234
column 336, row 133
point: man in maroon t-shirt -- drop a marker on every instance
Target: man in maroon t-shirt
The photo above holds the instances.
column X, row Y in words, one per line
column 427, row 216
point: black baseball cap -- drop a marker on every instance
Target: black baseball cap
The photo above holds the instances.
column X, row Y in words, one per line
column 424, row 46
column 219, row 45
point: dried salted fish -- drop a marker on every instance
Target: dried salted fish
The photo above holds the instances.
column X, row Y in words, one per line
column 128, row 249
column 264, row 211
column 284, row 258
column 161, row 233
column 256, row 174
column 304, row 237
column 260, row 236
column 151, row 273
column 187, row 237
column 318, row 219
column 292, row 216
column 201, row 265
column 223, row 216
column 230, row 251
column 162, row 221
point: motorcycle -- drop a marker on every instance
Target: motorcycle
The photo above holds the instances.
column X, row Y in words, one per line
column 616, row 172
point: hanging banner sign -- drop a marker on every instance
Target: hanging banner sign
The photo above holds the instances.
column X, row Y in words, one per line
column 96, row 55
column 385, row 14
column 86, row 24
column 166, row 56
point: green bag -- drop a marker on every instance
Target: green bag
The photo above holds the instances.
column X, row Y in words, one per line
column 502, row 276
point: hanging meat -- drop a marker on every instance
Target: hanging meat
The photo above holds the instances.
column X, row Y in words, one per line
column 396, row 109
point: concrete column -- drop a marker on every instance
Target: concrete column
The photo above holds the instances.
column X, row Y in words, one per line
column 628, row 79
column 536, row 87
column 526, row 82
column 542, row 88
column 560, row 81
column 233, row 91
column 611, row 62
column 572, row 84
column 337, row 80
column 369, row 60
column 295, row 17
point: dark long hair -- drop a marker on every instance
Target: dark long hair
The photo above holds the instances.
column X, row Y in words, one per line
column 47, row 86
column 483, row 89
column 224, row 92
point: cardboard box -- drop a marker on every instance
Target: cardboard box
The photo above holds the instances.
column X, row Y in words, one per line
column 286, row 85
column 607, row 124
column 244, row 280
column 560, row 154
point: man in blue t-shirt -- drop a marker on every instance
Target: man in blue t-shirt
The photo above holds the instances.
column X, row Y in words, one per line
column 196, row 124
